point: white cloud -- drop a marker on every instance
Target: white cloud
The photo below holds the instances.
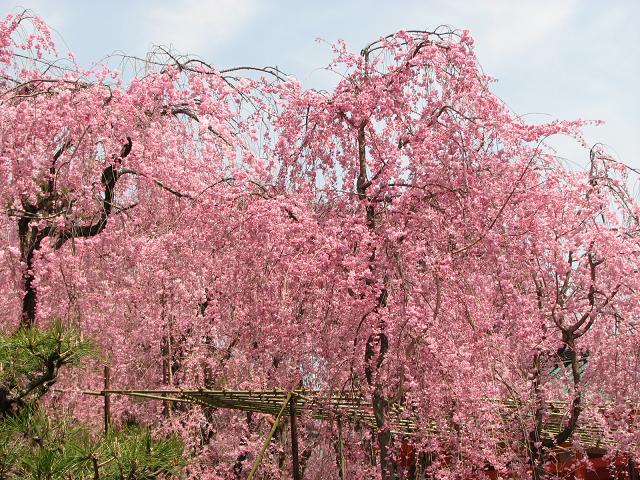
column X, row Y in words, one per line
column 195, row 26
column 507, row 27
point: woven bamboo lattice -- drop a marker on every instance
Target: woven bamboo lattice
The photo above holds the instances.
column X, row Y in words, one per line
column 356, row 409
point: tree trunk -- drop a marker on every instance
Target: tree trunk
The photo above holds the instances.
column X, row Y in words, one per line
column 388, row 467
column 28, row 318
column 30, row 239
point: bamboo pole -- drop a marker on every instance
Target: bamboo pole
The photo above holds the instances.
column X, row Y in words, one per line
column 151, row 396
column 267, row 440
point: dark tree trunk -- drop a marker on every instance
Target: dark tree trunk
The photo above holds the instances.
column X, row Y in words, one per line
column 388, row 465
column 30, row 239
column 28, row 300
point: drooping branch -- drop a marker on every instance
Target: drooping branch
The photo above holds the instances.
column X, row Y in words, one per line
column 108, row 179
column 50, row 203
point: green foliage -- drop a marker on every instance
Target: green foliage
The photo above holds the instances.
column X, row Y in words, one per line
column 26, row 350
column 35, row 446
column 30, row 360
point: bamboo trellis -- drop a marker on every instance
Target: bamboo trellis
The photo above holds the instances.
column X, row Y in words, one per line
column 353, row 408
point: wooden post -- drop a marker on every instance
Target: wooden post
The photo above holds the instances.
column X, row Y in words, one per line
column 267, row 440
column 633, row 472
column 167, row 365
column 294, row 439
column 341, row 462
column 107, row 400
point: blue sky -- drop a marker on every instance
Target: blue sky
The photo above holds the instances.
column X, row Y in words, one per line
column 553, row 58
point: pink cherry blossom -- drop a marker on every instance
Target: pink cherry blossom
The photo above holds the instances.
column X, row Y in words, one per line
column 404, row 237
